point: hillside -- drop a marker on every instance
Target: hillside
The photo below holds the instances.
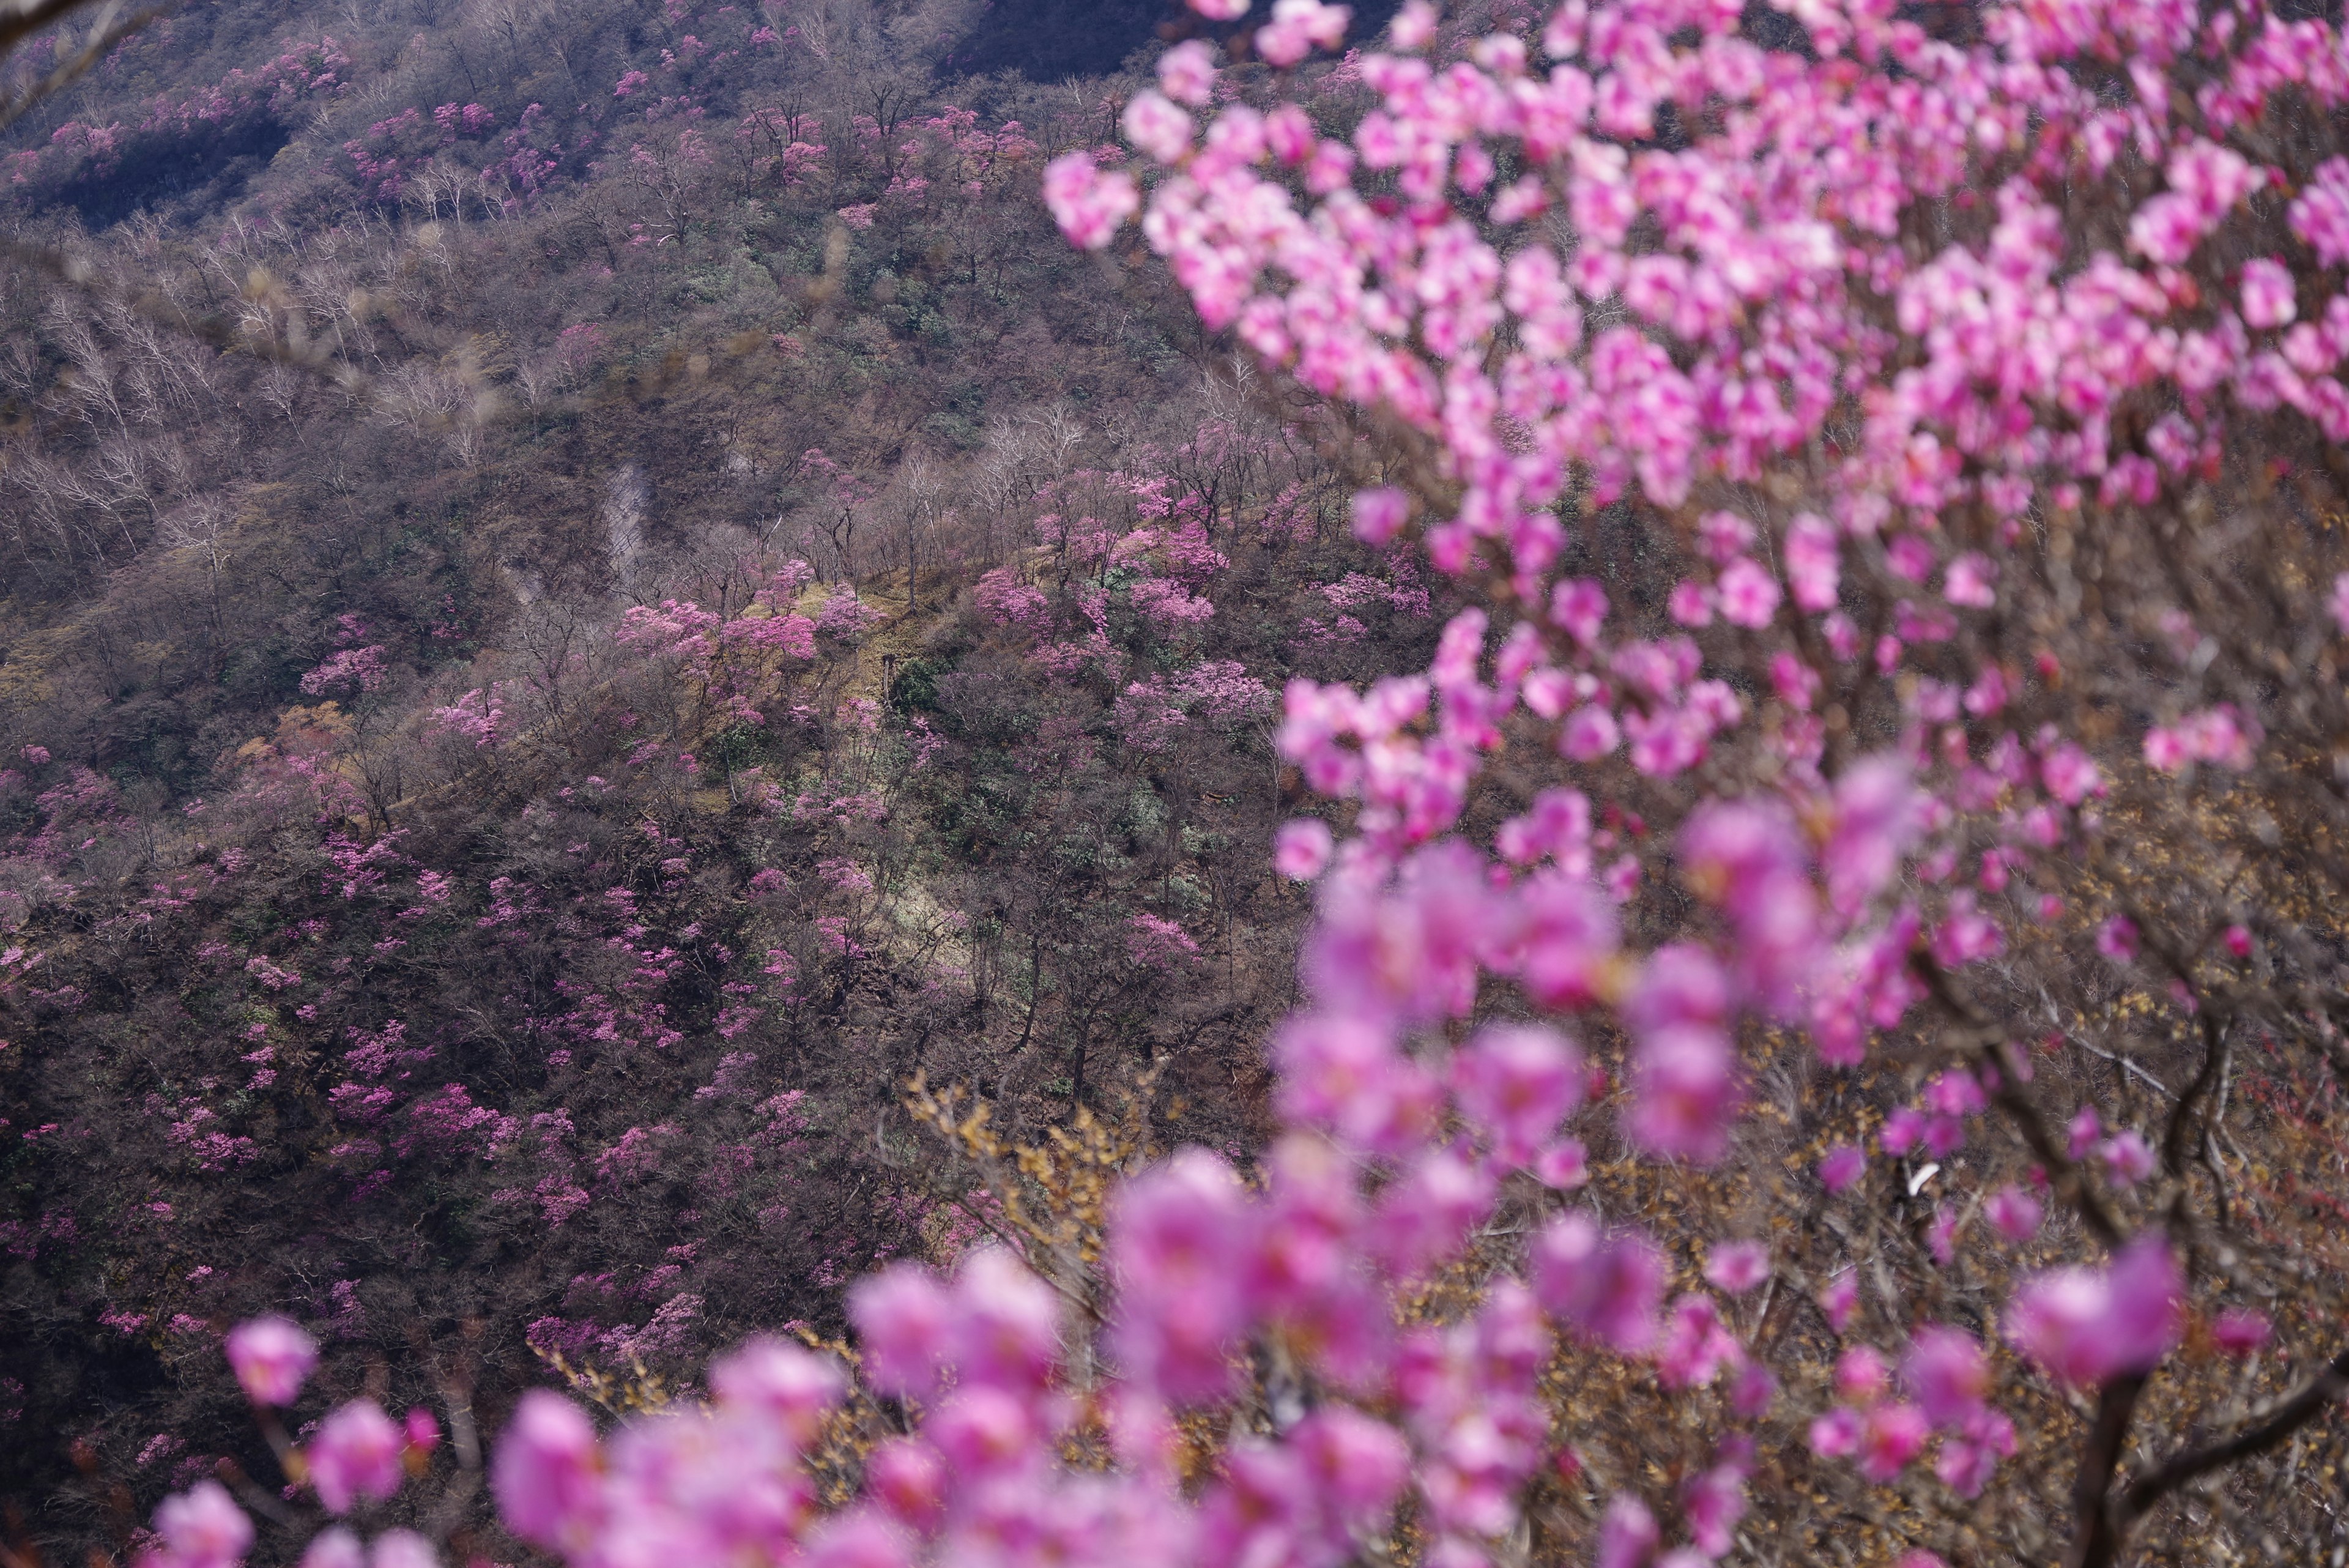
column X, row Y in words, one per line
column 490, row 841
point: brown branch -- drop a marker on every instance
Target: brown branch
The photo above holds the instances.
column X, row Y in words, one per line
column 2096, row 1524
column 15, row 25
column 103, row 34
column 2215, row 1053
column 2151, row 1486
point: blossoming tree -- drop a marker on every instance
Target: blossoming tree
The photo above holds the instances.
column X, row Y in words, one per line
column 1822, row 1037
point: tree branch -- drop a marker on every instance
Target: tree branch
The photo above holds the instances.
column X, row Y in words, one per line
column 2288, row 1418
column 2096, row 1527
column 103, row 34
column 16, row 24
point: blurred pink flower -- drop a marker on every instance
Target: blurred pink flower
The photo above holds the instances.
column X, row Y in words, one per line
column 202, row 1527
column 1947, row 1373
column 272, row 1356
column 2085, row 1326
column 1517, row 1081
column 2240, row 1331
column 1842, row 1166
column 1302, row 848
column 355, row 1454
column 546, row 1473
column 1738, row 1266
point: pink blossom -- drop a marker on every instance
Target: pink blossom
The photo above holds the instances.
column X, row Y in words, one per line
column 2084, row 1326
column 1158, row 128
column 1902, row 1130
column 1862, row 1375
column 1345, row 1075
column 203, row 1528
column 2216, row 734
column 402, row 1549
column 1842, row 1166
column 2320, row 214
column 1751, row 1395
column 2238, row 1331
column 2268, row 293
column 355, row 1454
column 1967, row 935
column 2083, row 1131
column 1007, row 1322
column 903, row 1321
column 1970, row 1455
column 1565, row 1165
column 1517, row 1081
column 1413, row 949
column 1154, row 941
column 787, row 1384
column 2014, row 1212
column 1302, row 848
column 1090, row 206
column 1684, row 1093
column 983, row 1431
column 1696, row 1345
column 1838, row 1299
column 1627, row 1534
column 1947, row 1373
column 1172, row 1238
column 1297, row 26
column 1878, row 814
column 1738, row 1266
column 1835, row 1435
column 908, row 1476
column 1968, row 581
column 1187, row 73
column 334, row 1547
column 1603, row 1289
column 1220, row 10
column 2070, row 775
column 1891, row 1436
column 421, row 1430
column 545, row 1472
column 1590, row 733
column 1425, row 1215
column 2116, row 938
column 1749, row 595
column 272, row 1357
column 1579, row 606
column 1379, row 514
column 1813, row 567
column 2127, row 1157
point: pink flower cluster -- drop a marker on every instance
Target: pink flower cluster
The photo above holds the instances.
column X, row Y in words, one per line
column 983, row 1363
column 2085, row 1326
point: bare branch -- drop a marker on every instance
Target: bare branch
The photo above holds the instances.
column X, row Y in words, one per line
column 103, row 34
column 2150, row 1486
